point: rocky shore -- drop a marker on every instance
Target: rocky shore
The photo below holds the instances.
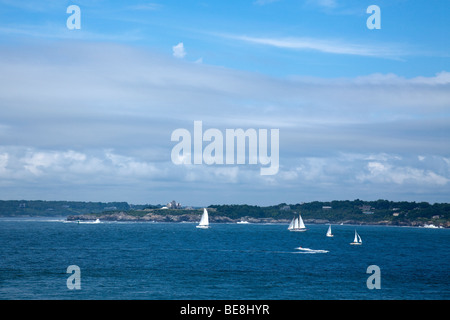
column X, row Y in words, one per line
column 194, row 218
column 152, row 217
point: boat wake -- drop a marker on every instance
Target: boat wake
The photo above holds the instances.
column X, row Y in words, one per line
column 308, row 250
column 84, row 222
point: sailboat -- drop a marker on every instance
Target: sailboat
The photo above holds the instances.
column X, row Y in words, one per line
column 297, row 224
column 329, row 234
column 204, row 221
column 357, row 240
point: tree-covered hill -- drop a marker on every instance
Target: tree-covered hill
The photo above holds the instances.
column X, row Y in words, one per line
column 391, row 212
column 18, row 208
column 338, row 211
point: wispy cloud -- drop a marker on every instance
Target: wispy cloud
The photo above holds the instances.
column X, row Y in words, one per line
column 264, row 2
column 323, row 45
column 151, row 6
column 324, row 3
column 58, row 32
column 32, row 6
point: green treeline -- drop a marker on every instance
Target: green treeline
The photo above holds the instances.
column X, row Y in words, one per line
column 394, row 212
column 334, row 211
column 13, row 208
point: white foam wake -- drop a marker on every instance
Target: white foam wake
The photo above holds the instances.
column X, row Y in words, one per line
column 84, row 222
column 308, row 250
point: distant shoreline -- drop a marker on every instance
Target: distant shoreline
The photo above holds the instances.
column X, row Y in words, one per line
column 225, row 220
column 357, row 212
column 195, row 218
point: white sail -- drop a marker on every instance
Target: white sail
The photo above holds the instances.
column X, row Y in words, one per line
column 204, row 221
column 297, row 224
column 291, row 225
column 329, row 234
column 301, row 224
column 357, row 239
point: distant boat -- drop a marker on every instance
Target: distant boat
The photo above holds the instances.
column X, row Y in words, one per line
column 242, row 222
column 297, row 224
column 329, row 234
column 357, row 240
column 204, row 221
column 96, row 221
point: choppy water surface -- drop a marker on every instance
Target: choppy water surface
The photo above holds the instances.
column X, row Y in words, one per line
column 227, row 261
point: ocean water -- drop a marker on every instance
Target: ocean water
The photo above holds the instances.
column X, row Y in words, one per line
column 167, row 261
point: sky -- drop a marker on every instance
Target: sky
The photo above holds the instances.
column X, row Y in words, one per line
column 87, row 114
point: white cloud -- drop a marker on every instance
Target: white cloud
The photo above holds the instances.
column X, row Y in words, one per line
column 375, row 170
column 388, row 173
column 130, row 167
column 441, row 78
column 330, row 176
column 64, row 104
column 38, row 162
column 324, row 45
column 179, row 51
column 68, row 165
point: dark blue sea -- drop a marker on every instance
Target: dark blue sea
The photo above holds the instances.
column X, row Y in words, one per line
column 167, row 261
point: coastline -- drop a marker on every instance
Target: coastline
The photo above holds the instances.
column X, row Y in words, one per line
column 356, row 212
column 195, row 218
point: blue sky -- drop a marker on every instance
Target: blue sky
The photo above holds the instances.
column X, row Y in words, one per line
column 242, row 34
column 87, row 114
